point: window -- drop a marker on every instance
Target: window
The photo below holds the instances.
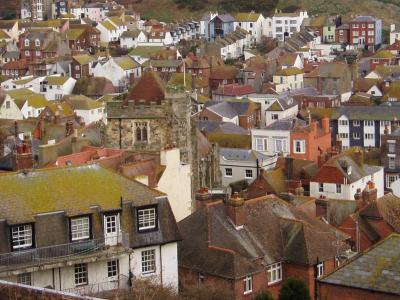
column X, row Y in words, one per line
column 80, row 228
column 275, row 117
column 228, row 172
column 81, row 276
column 320, row 270
column 261, row 144
column 321, row 187
column 112, row 268
column 343, row 122
column 280, row 146
column 8, row 104
column 274, row 273
column 248, row 285
column 26, row 43
column 338, row 188
column 356, row 123
column 24, row 278
column 21, row 236
column 343, row 135
column 392, row 162
column 299, row 146
column 390, row 179
column 148, row 261
column 147, row 218
column 27, row 53
column 392, row 146
column 368, row 123
column 37, row 43
column 371, row 25
column 356, row 135
column 141, row 132
column 369, row 136
column 249, row 174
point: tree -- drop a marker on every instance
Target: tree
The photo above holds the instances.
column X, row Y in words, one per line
column 294, row 289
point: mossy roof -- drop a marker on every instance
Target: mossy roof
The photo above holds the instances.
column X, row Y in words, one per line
column 289, row 72
column 63, row 107
column 71, row 189
column 383, row 54
column 73, row 34
column 81, row 102
column 127, row 63
column 84, row 59
column 19, row 93
column 146, row 51
column 56, row 80
column 275, row 107
column 3, row 34
column 23, row 81
column 108, row 25
column 247, row 17
column 117, row 21
column 34, row 100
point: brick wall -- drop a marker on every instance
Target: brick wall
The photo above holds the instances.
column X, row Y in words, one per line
column 333, row 292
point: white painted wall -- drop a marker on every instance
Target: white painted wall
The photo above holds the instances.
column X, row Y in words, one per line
column 290, row 112
column 271, row 137
column 9, row 110
column 344, row 129
column 176, row 183
column 90, row 115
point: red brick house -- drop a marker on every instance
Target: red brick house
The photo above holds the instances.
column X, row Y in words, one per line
column 234, row 90
column 366, row 32
column 80, row 65
column 316, row 101
column 382, row 58
column 371, row 275
column 342, row 34
column 14, row 69
column 198, row 65
column 250, row 246
column 308, row 142
column 223, row 75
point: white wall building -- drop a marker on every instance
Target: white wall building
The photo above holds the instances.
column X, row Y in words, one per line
column 9, row 110
column 287, row 23
column 251, row 22
column 280, row 109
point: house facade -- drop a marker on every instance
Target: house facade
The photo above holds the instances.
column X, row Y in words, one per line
column 285, row 24
column 365, row 32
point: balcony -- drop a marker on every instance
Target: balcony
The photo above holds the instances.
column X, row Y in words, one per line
column 60, row 253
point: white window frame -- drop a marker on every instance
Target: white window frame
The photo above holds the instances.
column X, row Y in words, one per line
column 369, row 123
column 274, row 273
column 81, row 274
column 261, row 144
column 320, row 269
column 356, row 123
column 391, row 161
column 247, row 172
column 320, row 187
column 356, row 136
column 248, row 285
column 390, row 179
column 24, row 278
column 301, row 144
column 21, row 236
column 338, row 188
column 226, row 172
column 80, row 228
column 26, row 43
column 147, row 218
column 148, row 258
column 113, row 269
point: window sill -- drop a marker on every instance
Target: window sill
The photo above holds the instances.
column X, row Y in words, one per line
column 248, row 292
column 274, row 283
column 148, row 273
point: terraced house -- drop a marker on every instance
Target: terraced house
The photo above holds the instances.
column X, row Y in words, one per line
column 84, row 230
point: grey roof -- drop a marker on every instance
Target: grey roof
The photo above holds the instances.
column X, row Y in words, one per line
column 242, row 154
column 131, row 34
column 367, row 112
column 228, row 109
column 286, row 124
column 11, row 54
column 226, row 18
column 364, row 19
column 307, row 91
column 219, row 126
column 377, row 269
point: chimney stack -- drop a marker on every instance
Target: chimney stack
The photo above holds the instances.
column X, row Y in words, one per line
column 370, row 193
column 314, row 127
column 235, row 210
column 321, row 207
column 325, row 125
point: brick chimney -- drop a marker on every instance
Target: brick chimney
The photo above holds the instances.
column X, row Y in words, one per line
column 321, row 207
column 22, row 155
column 325, row 125
column 370, row 193
column 314, row 127
column 202, row 197
column 235, row 210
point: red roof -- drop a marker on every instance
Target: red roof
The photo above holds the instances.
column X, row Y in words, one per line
column 234, row 90
column 88, row 154
column 15, row 65
column 149, row 89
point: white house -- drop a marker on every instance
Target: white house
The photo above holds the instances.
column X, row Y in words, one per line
column 280, row 108
column 56, row 87
column 26, row 82
column 275, row 138
column 87, row 109
column 119, row 70
column 98, row 239
column 267, row 27
column 265, row 101
column 232, row 44
column 242, row 164
column 32, row 105
column 8, row 109
column 394, row 33
column 251, row 22
column 11, row 28
column 111, row 29
column 288, row 79
column 342, row 178
column 131, row 38
column 287, row 23
column 96, row 12
column 160, row 37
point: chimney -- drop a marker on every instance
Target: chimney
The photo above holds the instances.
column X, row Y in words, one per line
column 202, row 197
column 235, row 210
column 325, row 125
column 370, row 193
column 314, row 127
column 321, row 207
column 358, row 198
column 289, row 167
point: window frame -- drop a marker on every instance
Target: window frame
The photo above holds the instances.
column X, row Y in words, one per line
column 152, row 267
column 338, row 188
column 149, row 227
column 302, row 146
column 226, row 173
column 25, row 278
column 320, row 269
column 248, row 285
column 250, row 171
column 274, row 270
column 320, row 187
column 17, row 237
column 113, row 269
column 82, row 238
column 81, row 269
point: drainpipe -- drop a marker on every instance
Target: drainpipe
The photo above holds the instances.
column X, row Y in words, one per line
column 59, row 276
column 258, row 167
column 161, row 272
column 120, row 134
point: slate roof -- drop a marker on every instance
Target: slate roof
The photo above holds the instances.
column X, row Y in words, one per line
column 242, row 154
column 367, row 112
column 274, row 231
column 219, row 126
column 234, row 90
column 286, row 124
column 229, row 109
column 376, row 269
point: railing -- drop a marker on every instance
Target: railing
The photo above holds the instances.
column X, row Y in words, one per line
column 51, row 254
column 121, row 282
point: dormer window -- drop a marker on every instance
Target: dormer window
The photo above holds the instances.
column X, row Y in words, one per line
column 147, row 218
column 80, row 228
column 26, row 43
column 21, row 237
column 37, row 43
